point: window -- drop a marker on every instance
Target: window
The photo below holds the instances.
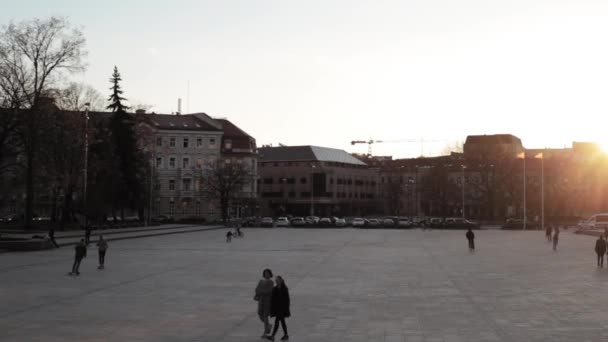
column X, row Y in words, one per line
column 172, row 142
column 172, row 163
column 159, row 162
column 171, row 185
column 186, row 184
column 159, row 141
column 199, row 142
column 228, row 144
column 185, row 142
column 157, row 186
column 268, row 181
column 171, row 208
column 185, row 163
column 199, row 163
column 212, row 142
column 303, row 180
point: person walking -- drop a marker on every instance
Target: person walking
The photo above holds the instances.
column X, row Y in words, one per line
column 80, row 253
column 555, row 238
column 87, row 235
column 229, row 236
column 52, row 237
column 600, row 250
column 102, row 246
column 471, row 237
column 279, row 308
column 548, row 232
column 263, row 295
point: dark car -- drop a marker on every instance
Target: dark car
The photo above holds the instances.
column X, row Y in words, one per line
column 373, row 223
column 250, row 222
column 517, row 224
column 435, row 222
column 325, row 222
column 459, row 223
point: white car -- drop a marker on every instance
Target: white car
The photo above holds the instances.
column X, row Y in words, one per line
column 267, row 222
column 358, row 222
column 597, row 221
column 339, row 222
column 404, row 222
column 282, row 222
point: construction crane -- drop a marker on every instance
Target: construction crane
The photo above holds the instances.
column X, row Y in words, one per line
column 370, row 142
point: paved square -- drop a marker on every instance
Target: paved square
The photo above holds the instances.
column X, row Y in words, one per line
column 346, row 285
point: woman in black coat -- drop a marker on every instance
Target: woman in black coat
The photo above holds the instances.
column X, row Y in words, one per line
column 279, row 307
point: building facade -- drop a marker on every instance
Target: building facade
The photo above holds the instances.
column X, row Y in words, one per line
column 312, row 180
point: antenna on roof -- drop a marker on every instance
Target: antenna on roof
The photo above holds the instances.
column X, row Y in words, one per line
column 179, row 106
column 188, row 98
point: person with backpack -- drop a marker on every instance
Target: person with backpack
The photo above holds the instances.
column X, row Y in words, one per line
column 279, row 308
column 600, row 250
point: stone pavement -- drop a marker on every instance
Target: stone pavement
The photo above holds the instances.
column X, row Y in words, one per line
column 346, row 285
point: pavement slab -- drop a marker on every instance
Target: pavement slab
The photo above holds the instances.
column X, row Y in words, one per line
column 345, row 285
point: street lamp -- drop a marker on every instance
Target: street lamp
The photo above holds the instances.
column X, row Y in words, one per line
column 86, row 161
column 312, row 189
column 463, row 168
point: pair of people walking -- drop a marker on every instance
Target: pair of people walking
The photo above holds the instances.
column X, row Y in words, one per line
column 80, row 252
column 273, row 301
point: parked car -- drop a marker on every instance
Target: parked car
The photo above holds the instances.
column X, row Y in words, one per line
column 459, row 223
column 513, row 223
column 388, row 222
column 312, row 220
column 349, row 220
column 339, row 222
column 250, row 222
column 596, row 221
column 282, row 222
column 325, row 222
column 267, row 222
column 435, row 222
column 162, row 219
column 298, row 222
column 358, row 222
column 373, row 223
column 404, row 222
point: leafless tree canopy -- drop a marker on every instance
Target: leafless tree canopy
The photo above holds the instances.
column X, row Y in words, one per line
column 75, row 95
column 224, row 181
column 33, row 54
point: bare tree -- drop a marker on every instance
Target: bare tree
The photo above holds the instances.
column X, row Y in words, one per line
column 455, row 146
column 33, row 56
column 223, row 181
column 75, row 95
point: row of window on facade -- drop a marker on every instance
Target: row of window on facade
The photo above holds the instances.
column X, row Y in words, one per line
column 185, row 164
column 311, row 164
column 304, row 180
column 306, row 194
column 186, row 185
column 199, row 142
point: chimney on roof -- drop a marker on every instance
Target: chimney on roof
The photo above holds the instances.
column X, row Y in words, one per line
column 140, row 111
column 179, row 106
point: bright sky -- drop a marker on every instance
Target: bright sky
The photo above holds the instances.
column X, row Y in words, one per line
column 326, row 72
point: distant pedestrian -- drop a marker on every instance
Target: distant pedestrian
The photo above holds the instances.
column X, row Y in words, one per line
column 548, row 232
column 52, row 237
column 87, row 235
column 102, row 247
column 600, row 250
column 263, row 295
column 555, row 238
column 80, row 252
column 229, row 236
column 471, row 237
column 279, row 308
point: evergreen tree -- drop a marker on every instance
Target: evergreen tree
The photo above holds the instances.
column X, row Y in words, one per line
column 116, row 98
column 127, row 159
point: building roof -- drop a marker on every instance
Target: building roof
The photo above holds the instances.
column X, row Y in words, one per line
column 493, row 139
column 241, row 141
column 307, row 153
column 178, row 122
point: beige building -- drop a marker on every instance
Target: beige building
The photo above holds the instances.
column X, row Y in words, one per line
column 181, row 148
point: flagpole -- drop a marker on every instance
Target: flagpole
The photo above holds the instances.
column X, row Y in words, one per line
column 524, row 177
column 542, row 190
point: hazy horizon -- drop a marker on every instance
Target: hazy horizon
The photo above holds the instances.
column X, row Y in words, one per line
column 329, row 72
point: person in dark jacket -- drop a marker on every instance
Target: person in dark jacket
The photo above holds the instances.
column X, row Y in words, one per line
column 80, row 252
column 471, row 237
column 555, row 238
column 52, row 237
column 279, row 308
column 600, row 250
column 229, row 236
column 102, row 246
column 87, row 235
column 548, row 232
